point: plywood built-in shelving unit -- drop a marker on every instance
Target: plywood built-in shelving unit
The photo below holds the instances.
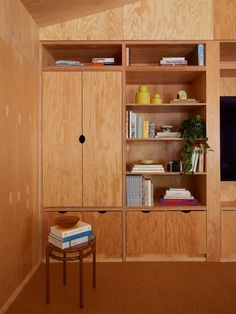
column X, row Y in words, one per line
column 142, row 69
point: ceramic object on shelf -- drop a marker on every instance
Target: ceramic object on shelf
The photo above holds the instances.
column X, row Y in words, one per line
column 166, row 128
column 66, row 221
column 146, row 161
column 156, row 99
column 182, row 95
column 142, row 95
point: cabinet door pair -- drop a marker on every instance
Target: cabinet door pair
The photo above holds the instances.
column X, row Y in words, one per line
column 75, row 104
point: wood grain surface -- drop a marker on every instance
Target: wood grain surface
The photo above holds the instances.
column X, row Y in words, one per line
column 108, row 229
column 146, row 19
column 102, row 150
column 186, row 233
column 19, row 114
column 224, row 17
column 213, row 157
column 146, row 233
column 62, row 127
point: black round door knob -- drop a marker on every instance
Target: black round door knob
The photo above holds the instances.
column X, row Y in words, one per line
column 82, row 139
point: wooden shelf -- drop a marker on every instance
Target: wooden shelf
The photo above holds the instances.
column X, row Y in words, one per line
column 165, row 107
column 154, row 139
column 163, row 75
column 157, row 207
column 82, row 68
column 228, row 205
column 166, row 173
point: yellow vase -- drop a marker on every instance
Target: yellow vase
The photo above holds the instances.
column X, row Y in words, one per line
column 142, row 95
column 156, row 100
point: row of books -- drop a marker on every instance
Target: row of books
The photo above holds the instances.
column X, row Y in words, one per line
column 136, row 127
column 67, row 237
column 178, row 197
column 139, row 191
column 198, row 159
column 146, row 168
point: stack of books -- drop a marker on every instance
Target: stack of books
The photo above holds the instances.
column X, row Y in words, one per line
column 105, row 61
column 147, row 168
column 167, row 134
column 68, row 237
column 136, row 127
column 170, row 61
column 139, row 191
column 68, row 63
column 179, row 197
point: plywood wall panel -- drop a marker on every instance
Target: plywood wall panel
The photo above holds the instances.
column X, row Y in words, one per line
column 106, row 25
column 19, row 30
column 19, row 169
column 19, row 107
column 225, row 21
column 172, row 19
column 146, row 19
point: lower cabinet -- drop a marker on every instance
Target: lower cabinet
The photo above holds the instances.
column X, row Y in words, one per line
column 166, row 235
column 228, row 235
column 108, row 229
column 186, row 233
column 145, row 235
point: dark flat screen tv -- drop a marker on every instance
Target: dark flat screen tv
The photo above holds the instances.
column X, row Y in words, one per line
column 228, row 138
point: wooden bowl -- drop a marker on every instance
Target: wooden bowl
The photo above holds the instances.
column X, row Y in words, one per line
column 66, row 221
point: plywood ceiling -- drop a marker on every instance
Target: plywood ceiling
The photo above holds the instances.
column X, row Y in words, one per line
column 48, row 12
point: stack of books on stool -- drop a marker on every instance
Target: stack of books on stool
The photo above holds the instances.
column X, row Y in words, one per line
column 68, row 237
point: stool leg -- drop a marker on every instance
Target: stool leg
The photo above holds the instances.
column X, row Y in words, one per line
column 64, row 268
column 94, row 268
column 81, row 281
column 47, row 277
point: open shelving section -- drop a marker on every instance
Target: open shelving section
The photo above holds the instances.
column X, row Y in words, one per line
column 143, row 68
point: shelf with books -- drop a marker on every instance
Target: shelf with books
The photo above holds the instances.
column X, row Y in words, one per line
column 153, row 139
column 162, row 53
column 166, row 173
column 79, row 51
column 165, row 107
column 151, row 190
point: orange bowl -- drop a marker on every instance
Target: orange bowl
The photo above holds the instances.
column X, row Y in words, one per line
column 66, row 221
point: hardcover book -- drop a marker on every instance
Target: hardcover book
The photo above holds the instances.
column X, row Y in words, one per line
column 65, row 232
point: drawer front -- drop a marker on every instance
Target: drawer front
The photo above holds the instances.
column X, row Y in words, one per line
column 186, row 233
column 145, row 234
column 108, row 229
column 228, row 234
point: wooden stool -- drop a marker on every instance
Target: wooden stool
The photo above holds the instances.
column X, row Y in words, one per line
column 79, row 252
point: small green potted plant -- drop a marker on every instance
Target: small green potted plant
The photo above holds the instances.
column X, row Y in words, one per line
column 193, row 131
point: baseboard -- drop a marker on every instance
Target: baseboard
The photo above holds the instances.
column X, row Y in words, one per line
column 19, row 289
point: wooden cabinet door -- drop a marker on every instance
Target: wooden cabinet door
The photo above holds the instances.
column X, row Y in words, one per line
column 145, row 235
column 108, row 229
column 62, row 151
column 186, row 233
column 102, row 150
